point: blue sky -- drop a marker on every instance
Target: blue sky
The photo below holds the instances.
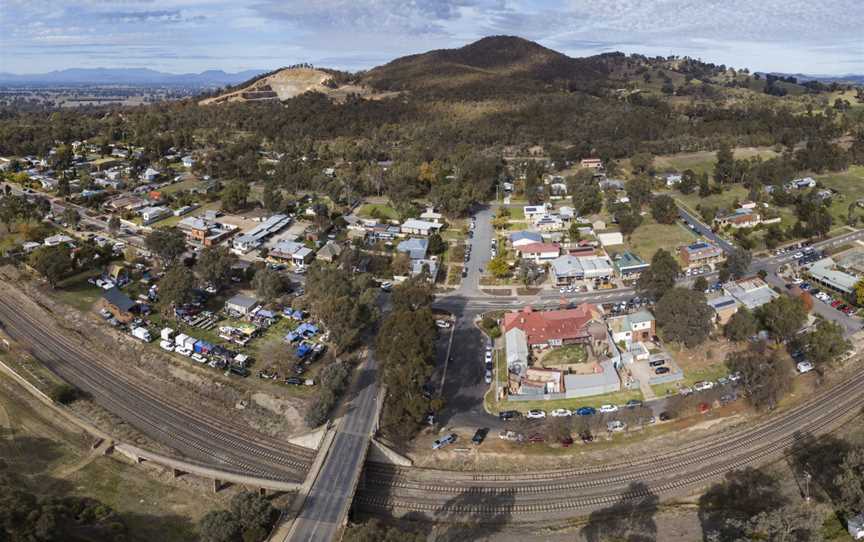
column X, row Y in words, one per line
column 193, row 35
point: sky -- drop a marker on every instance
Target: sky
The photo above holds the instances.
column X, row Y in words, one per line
column 795, row 36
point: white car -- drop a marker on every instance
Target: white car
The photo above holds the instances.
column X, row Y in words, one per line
column 798, row 255
column 386, row 286
column 606, row 409
column 735, row 377
column 199, row 358
column 488, row 358
column 443, row 324
column 166, row 346
column 536, row 414
column 183, row 352
column 616, row 426
column 561, row 413
column 804, row 367
column 488, row 377
column 703, row 386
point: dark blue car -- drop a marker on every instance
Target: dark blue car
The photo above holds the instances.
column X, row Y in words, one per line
column 586, row 411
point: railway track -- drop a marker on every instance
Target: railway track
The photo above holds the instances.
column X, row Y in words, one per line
column 566, row 492
column 191, row 433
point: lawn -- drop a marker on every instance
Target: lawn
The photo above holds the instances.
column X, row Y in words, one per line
column 79, row 293
column 651, row 236
column 617, row 398
column 849, row 184
column 173, row 220
column 566, row 355
column 383, row 211
column 182, row 185
column 723, row 200
column 516, row 213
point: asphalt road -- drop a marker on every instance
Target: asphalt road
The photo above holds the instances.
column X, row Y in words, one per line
column 331, row 494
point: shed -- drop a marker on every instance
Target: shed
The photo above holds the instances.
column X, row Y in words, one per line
column 241, row 304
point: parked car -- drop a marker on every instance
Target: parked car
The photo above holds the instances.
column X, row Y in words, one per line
column 586, row 411
column 616, row 426
column 535, row 414
column 480, row 436
column 607, row 409
column 512, row 436
column 586, row 437
column 703, row 386
column 657, row 363
column 199, row 358
column 804, row 367
column 167, row 346
column 488, row 357
column 665, row 416
column 704, row 407
column 735, row 377
column 488, row 377
column 685, row 391
column 661, row 370
column 183, row 352
column 561, row 413
column 536, row 438
column 386, row 286
column 444, row 441
column 443, row 324
column 505, row 415
column 633, row 403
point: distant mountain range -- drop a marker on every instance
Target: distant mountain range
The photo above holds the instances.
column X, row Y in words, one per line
column 129, row 76
column 803, row 78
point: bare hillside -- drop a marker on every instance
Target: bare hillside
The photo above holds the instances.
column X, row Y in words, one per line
column 288, row 83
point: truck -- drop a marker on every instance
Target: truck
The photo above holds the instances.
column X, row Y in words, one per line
column 167, row 334
column 141, row 333
column 180, row 340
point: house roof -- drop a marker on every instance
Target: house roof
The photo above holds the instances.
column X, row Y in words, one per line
column 330, row 250
column 529, row 235
column 118, row 299
column 242, row 301
column 751, row 292
column 573, row 265
column 722, row 302
column 416, row 248
column 414, row 224
column 539, row 248
column 605, row 376
column 825, row 271
column 543, row 326
column 628, row 321
column 628, row 260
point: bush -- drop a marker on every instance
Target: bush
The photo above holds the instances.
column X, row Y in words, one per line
column 333, row 380
column 64, row 394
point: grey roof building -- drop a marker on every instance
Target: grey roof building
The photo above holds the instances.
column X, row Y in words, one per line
column 414, row 247
column 751, row 292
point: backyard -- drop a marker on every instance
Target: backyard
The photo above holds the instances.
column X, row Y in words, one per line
column 566, row 355
column 377, row 210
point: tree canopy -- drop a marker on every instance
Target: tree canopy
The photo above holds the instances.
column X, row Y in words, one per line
column 684, row 316
column 660, row 277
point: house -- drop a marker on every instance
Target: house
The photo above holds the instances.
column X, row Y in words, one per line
column 253, row 238
column 567, row 213
column 639, row 326
column 240, row 305
column 724, row 307
column 54, row 240
column 592, row 163
column 567, row 269
column 430, row 215
column 828, row 274
column 801, row 184
column 115, row 184
column 414, row 247
column 126, row 202
column 751, row 292
column 149, row 175
column 610, row 239
column 549, row 223
column 118, row 304
column 538, row 252
column 740, row 218
column 428, row 266
column 538, row 382
column 204, row 232
column 602, row 379
column 629, row 265
column 534, row 212
column 553, row 328
column 521, row 238
column 701, row 253
column 413, row 226
column 516, row 347
column 673, row 179
column 150, row 215
column 329, row 252
column 292, row 251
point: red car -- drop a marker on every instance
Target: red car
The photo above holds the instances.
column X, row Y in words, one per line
column 536, row 437
column 704, row 407
column 836, row 303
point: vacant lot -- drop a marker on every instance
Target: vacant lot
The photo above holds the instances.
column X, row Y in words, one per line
column 702, row 161
column 651, row 236
column 378, row 210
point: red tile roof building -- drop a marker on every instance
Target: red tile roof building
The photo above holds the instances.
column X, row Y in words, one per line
column 553, row 328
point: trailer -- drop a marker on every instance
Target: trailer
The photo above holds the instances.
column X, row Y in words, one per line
column 141, row 333
column 180, row 339
column 167, row 334
column 189, row 343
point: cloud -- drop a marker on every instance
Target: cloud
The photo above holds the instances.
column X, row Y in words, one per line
column 788, row 35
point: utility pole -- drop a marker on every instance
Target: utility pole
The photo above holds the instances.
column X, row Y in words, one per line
column 807, row 478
